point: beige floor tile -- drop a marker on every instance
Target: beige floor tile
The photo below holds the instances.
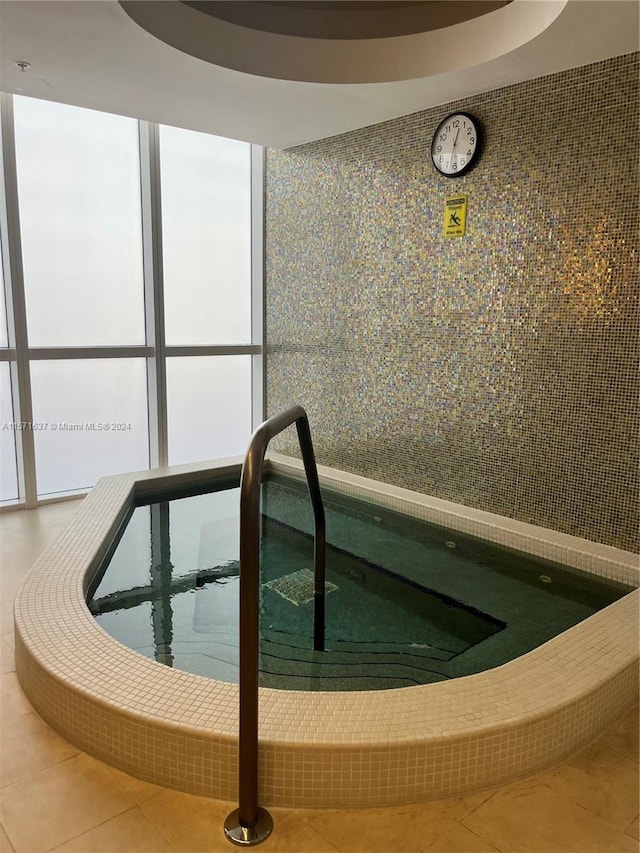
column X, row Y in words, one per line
column 624, row 736
column 459, row 839
column 600, row 779
column 16, row 564
column 460, row 808
column 136, row 788
column 9, row 639
column 28, row 745
column 7, row 658
column 55, row 805
column 405, row 829
column 190, row 824
column 8, row 589
column 25, row 535
column 19, row 553
column 47, row 518
column 130, row 832
column 194, row 824
column 293, row 833
column 5, row 844
column 634, row 829
column 6, row 617
column 531, row 818
column 14, row 572
column 13, row 702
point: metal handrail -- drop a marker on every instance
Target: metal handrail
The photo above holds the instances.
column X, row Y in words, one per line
column 248, row 824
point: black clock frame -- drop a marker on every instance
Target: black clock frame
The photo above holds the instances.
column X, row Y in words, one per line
column 476, row 154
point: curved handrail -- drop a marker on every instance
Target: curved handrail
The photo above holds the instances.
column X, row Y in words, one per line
column 248, row 825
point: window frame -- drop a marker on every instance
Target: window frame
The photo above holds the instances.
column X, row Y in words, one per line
column 155, row 350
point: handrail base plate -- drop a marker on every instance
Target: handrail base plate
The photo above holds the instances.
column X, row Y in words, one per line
column 245, row 836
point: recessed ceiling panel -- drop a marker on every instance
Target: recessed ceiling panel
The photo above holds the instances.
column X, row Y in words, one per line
column 344, row 42
column 343, row 19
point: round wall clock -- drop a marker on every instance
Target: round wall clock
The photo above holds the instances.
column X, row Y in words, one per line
column 456, row 144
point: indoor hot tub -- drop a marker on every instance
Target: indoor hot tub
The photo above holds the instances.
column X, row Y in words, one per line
column 461, row 654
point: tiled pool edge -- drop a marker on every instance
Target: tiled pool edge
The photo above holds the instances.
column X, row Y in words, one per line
column 591, row 557
column 317, row 750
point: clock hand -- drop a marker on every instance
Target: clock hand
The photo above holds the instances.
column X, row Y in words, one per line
column 455, row 142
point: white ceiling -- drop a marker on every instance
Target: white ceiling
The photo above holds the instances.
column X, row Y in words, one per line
column 90, row 53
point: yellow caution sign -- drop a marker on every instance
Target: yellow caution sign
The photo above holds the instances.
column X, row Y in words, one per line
column 455, row 216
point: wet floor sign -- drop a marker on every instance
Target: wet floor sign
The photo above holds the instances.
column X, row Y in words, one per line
column 455, row 216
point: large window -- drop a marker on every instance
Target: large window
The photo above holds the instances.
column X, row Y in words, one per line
column 79, row 202
column 206, row 238
column 209, row 402
column 90, row 419
column 129, row 334
column 8, row 462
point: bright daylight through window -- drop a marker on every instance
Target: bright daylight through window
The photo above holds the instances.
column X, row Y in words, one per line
column 126, row 337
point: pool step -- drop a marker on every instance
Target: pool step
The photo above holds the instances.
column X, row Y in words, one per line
column 289, row 661
column 275, row 637
column 289, row 673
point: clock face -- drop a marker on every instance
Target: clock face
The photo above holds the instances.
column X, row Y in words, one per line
column 456, row 144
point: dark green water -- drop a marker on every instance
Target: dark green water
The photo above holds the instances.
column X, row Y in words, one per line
column 407, row 603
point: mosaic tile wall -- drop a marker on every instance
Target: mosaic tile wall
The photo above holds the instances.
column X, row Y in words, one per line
column 496, row 370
